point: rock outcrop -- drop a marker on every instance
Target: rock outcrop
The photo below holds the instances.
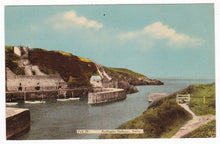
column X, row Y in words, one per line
column 127, row 79
column 144, row 81
column 128, row 88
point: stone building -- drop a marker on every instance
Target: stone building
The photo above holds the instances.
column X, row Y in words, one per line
column 96, row 81
column 33, row 76
column 29, row 83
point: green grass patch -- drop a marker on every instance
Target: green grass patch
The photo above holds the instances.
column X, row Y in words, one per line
column 120, row 73
column 197, row 103
column 162, row 119
column 11, row 61
column 205, row 131
column 84, row 59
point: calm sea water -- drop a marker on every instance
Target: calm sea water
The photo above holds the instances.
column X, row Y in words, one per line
column 60, row 120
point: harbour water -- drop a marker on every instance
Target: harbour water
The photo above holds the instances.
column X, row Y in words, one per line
column 60, row 120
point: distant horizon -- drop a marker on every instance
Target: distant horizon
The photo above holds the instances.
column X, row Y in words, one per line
column 169, row 41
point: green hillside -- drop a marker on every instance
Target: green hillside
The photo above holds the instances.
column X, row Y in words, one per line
column 72, row 69
column 164, row 117
column 205, row 131
column 75, row 70
column 121, row 73
column 198, row 93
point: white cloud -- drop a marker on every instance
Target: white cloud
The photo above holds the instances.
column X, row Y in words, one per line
column 158, row 31
column 69, row 20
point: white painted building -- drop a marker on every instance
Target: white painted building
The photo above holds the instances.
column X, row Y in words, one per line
column 96, row 81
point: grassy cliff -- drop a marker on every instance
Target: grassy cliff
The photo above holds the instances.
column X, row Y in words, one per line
column 205, row 131
column 11, row 61
column 74, row 70
column 202, row 98
column 122, row 73
column 202, row 103
column 164, row 117
column 131, row 77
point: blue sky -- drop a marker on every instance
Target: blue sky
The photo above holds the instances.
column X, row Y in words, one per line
column 155, row 40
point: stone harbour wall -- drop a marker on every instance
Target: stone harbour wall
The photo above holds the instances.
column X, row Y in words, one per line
column 28, row 83
column 17, row 122
column 106, row 96
column 47, row 94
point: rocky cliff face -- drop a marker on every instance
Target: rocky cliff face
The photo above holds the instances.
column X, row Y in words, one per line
column 128, row 88
column 128, row 79
column 77, row 71
column 74, row 70
column 144, row 81
column 130, row 83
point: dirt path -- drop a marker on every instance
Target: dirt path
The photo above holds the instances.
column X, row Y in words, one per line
column 191, row 125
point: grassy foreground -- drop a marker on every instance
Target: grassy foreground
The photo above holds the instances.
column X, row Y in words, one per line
column 164, row 117
column 202, row 98
column 202, row 103
column 205, row 131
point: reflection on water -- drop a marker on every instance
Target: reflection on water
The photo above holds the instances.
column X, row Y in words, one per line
column 60, row 120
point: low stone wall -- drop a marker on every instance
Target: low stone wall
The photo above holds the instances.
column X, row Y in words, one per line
column 106, row 96
column 30, row 82
column 35, row 95
column 156, row 96
column 17, row 122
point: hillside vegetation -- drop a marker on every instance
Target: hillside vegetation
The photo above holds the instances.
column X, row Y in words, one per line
column 11, row 61
column 164, row 117
column 205, row 131
column 71, row 68
column 122, row 73
column 75, row 70
column 202, row 98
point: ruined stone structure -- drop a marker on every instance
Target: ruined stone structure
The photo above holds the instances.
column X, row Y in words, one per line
column 21, row 50
column 33, row 76
column 30, row 82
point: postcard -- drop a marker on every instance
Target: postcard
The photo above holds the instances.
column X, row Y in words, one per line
column 109, row 71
